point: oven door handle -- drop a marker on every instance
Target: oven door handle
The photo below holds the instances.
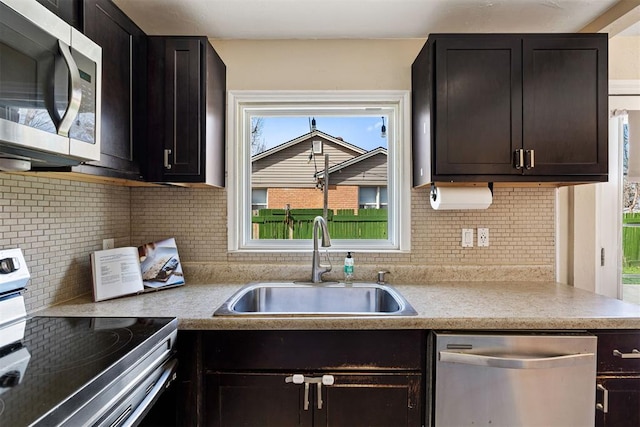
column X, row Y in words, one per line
column 163, row 381
column 505, row 361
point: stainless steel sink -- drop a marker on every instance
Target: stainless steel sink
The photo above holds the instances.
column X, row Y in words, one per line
column 320, row 299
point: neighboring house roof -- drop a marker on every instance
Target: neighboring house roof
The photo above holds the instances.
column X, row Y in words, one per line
column 366, row 170
column 350, row 162
column 303, row 138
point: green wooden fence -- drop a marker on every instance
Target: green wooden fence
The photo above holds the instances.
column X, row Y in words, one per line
column 298, row 223
column 631, row 239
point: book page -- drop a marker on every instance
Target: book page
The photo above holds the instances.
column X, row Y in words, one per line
column 116, row 272
column 160, row 264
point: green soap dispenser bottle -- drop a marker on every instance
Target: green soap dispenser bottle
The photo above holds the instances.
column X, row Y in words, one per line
column 348, row 268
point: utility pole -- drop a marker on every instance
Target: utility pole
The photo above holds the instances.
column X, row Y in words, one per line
column 325, row 189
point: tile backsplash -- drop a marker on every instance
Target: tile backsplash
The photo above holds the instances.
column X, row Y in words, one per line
column 58, row 222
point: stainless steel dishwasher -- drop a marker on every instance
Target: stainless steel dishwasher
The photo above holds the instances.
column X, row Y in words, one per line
column 514, row 380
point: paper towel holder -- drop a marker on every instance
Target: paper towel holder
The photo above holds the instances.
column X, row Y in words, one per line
column 433, row 196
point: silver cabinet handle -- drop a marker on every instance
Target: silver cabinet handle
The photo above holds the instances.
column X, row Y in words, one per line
column 167, row 153
column 518, row 158
column 604, row 406
column 516, row 362
column 530, row 159
column 75, row 91
column 635, row 354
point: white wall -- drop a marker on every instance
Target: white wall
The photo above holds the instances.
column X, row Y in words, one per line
column 624, row 58
column 585, row 223
column 318, row 64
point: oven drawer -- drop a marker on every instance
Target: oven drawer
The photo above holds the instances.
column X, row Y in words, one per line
column 618, row 351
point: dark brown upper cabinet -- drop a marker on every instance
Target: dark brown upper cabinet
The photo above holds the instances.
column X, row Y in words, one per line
column 186, row 99
column 124, row 86
column 69, row 10
column 510, row 108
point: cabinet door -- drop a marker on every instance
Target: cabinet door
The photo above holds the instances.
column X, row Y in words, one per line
column 565, row 104
column 123, row 83
column 478, row 105
column 183, row 107
column 374, row 400
column 623, row 403
column 246, row 399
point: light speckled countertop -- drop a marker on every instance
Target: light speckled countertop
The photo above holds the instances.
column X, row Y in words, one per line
column 451, row 305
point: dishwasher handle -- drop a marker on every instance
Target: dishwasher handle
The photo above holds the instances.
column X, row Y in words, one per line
column 494, row 361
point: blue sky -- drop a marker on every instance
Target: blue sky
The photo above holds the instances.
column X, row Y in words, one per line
column 363, row 131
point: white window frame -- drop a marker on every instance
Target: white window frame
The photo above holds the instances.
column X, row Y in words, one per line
column 394, row 104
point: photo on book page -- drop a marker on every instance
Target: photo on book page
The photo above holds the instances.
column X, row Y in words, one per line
column 160, row 264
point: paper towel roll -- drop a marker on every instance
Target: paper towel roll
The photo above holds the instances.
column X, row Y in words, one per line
column 446, row 198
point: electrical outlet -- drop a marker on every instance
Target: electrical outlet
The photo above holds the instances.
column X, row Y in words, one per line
column 483, row 237
column 108, row 244
column 467, row 237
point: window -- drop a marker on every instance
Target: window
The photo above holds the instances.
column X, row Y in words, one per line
column 258, row 199
column 372, row 197
column 280, row 181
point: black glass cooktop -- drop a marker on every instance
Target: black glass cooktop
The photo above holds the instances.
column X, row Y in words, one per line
column 62, row 361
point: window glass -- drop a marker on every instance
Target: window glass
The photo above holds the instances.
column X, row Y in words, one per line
column 383, row 197
column 368, row 197
column 258, row 199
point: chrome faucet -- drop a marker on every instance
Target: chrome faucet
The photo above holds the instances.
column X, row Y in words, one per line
column 317, row 269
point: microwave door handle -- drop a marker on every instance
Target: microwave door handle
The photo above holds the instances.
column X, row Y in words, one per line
column 75, row 91
column 503, row 361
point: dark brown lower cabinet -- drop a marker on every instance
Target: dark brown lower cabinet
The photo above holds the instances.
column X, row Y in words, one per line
column 247, row 399
column 267, row 399
column 309, row 378
column 622, row 397
column 618, row 378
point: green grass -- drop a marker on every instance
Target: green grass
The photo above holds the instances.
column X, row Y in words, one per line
column 631, row 269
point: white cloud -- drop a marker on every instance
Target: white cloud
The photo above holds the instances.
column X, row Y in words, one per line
column 375, row 126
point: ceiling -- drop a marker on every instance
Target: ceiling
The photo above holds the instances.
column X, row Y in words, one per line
column 358, row 19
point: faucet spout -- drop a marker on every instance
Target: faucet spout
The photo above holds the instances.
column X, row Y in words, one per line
column 317, row 269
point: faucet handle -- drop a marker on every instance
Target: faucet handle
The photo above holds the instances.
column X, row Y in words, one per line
column 381, row 274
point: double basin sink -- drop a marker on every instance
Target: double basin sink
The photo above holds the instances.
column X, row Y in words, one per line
column 316, row 299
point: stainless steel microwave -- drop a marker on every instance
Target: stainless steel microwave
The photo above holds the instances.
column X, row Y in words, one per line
column 50, row 84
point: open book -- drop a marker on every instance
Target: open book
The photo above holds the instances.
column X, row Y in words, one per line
column 130, row 270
